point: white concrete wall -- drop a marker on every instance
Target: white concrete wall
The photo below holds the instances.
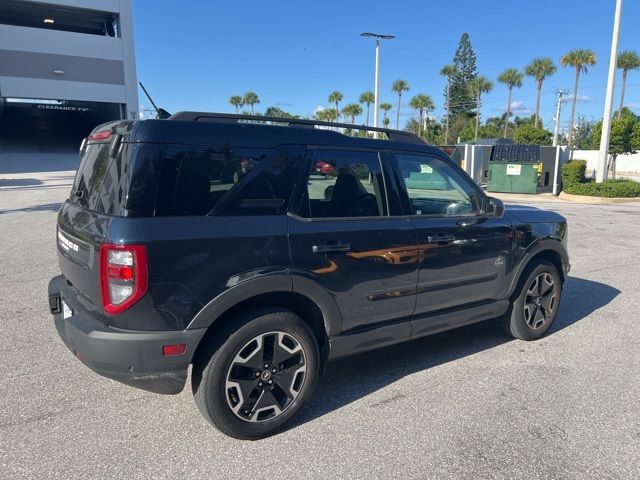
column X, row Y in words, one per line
column 21, row 87
column 40, row 40
column 624, row 163
column 129, row 58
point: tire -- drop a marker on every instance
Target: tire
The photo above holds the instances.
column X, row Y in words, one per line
column 535, row 306
column 238, row 393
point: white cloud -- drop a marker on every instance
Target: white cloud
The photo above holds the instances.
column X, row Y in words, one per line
column 633, row 105
column 517, row 108
column 579, row 98
column 319, row 108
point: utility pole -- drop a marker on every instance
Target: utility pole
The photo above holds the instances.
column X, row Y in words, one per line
column 601, row 172
column 556, row 119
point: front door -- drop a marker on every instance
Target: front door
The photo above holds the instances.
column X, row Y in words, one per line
column 464, row 256
column 343, row 238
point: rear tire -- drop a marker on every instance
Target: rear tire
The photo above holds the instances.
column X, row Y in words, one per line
column 535, row 307
column 260, row 375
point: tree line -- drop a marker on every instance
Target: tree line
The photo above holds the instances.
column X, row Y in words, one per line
column 463, row 100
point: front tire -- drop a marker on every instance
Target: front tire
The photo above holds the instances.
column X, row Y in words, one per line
column 533, row 311
column 260, row 376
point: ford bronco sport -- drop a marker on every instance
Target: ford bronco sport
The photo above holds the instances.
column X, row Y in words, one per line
column 256, row 249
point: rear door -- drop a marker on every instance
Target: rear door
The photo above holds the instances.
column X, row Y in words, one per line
column 342, row 237
column 464, row 256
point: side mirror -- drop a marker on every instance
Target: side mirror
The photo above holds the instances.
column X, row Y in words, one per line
column 494, row 208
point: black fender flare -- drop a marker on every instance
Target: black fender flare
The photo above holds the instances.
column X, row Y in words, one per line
column 272, row 283
column 543, row 244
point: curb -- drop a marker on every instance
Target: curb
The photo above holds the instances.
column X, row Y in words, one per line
column 596, row 200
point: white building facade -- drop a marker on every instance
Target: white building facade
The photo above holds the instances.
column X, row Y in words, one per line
column 67, row 61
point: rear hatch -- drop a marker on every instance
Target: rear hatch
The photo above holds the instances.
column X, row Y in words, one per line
column 84, row 217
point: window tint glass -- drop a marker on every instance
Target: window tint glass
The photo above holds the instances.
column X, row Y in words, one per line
column 194, row 179
column 90, row 176
column 267, row 190
column 435, row 187
column 346, row 184
column 142, row 176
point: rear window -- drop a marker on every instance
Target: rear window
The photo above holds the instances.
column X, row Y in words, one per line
column 90, row 176
column 185, row 180
column 196, row 179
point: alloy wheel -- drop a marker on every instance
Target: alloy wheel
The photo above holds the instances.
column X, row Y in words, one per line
column 266, row 376
column 540, row 301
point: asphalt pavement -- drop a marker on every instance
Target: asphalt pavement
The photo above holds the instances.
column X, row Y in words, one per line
column 467, row 404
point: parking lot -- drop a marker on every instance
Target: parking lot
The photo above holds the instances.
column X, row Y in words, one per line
column 469, row 403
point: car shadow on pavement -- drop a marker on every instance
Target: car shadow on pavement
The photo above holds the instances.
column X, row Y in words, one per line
column 47, row 207
column 20, row 182
column 350, row 379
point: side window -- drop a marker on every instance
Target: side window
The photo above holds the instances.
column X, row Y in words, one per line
column 436, row 188
column 194, row 179
column 268, row 189
column 345, row 183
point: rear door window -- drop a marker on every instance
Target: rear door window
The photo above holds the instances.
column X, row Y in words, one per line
column 346, row 183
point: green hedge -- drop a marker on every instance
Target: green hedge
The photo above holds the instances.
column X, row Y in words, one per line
column 575, row 183
column 573, row 172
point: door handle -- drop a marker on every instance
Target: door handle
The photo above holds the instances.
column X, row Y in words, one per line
column 467, row 222
column 331, row 247
column 441, row 239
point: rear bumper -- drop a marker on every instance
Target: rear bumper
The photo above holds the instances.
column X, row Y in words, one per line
column 131, row 357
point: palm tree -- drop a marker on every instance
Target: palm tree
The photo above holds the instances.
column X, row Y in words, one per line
column 399, row 86
column 478, row 86
column 321, row 115
column 511, row 77
column 332, row 114
column 579, row 59
column 251, row 99
column 627, row 60
column 540, row 68
column 352, row 110
column 236, row 101
column 422, row 103
column 385, row 107
column 448, row 71
column 367, row 98
column 336, row 97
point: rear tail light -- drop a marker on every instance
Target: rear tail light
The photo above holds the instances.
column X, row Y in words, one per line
column 103, row 135
column 123, row 276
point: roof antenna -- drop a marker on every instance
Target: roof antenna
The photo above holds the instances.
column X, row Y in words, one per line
column 160, row 112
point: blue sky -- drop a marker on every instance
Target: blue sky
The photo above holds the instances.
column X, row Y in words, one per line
column 196, row 54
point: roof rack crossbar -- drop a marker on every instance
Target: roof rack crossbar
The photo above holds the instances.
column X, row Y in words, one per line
column 393, row 135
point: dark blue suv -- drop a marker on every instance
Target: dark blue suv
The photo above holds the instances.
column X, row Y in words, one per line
column 256, row 249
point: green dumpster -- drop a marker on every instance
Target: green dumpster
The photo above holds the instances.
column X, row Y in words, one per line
column 512, row 177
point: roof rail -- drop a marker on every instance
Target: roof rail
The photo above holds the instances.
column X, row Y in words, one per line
column 393, row 135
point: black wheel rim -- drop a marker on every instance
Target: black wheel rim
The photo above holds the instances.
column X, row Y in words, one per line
column 266, row 376
column 540, row 301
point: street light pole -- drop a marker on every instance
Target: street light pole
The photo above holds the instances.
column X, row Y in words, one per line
column 376, row 87
column 601, row 172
